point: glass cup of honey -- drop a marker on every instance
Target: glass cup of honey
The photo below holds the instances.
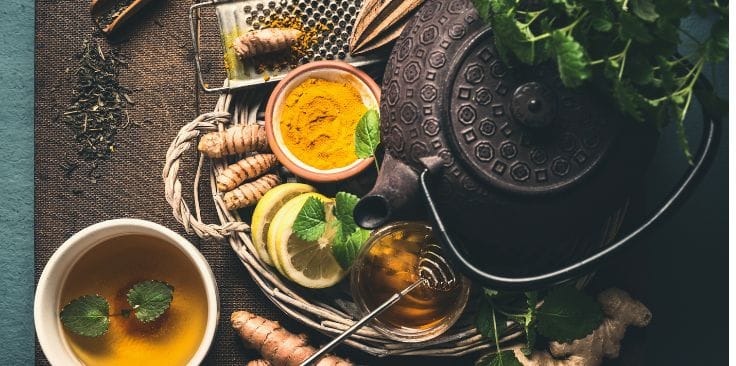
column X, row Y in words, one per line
column 387, row 264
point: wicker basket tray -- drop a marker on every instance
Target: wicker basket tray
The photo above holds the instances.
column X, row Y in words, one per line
column 329, row 311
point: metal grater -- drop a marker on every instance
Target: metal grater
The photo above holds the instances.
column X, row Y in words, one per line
column 237, row 17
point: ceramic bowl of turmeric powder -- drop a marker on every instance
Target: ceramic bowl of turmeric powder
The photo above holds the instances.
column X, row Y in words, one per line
column 311, row 118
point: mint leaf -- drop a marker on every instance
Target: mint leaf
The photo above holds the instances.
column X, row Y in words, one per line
column 484, row 9
column 310, row 223
column 633, row 28
column 150, row 299
column 572, row 63
column 345, row 251
column 502, row 6
column 629, row 100
column 716, row 48
column 571, row 6
column 344, row 206
column 87, row 316
column 644, row 9
column 601, row 24
column 484, row 321
column 367, row 134
column 505, row 358
column 508, row 35
column 567, row 315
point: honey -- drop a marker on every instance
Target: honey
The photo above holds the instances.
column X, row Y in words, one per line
column 110, row 269
column 390, row 264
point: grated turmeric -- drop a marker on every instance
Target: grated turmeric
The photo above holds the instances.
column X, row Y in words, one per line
column 318, row 122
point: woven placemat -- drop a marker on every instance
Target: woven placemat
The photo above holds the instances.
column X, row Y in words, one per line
column 161, row 70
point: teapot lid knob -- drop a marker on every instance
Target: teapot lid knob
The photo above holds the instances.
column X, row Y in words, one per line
column 534, row 105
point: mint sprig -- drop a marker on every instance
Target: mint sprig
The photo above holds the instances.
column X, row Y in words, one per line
column 636, row 51
column 89, row 315
column 347, row 238
column 565, row 315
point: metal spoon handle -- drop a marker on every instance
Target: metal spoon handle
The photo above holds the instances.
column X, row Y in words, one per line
column 360, row 323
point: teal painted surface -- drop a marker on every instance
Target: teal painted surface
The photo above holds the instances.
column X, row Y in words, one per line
column 16, row 182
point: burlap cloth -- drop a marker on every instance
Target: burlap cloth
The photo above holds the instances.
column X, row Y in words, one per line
column 161, row 70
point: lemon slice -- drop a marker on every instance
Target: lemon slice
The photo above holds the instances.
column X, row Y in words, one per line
column 265, row 211
column 295, row 204
column 308, row 263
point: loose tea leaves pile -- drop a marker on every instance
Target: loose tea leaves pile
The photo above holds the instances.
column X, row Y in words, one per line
column 97, row 111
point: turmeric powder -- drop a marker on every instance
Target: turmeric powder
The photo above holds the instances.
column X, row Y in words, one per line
column 318, row 122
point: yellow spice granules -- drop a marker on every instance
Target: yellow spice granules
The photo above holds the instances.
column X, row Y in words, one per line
column 318, row 122
column 310, row 36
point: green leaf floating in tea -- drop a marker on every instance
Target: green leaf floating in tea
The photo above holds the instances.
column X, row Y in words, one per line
column 87, row 316
column 150, row 299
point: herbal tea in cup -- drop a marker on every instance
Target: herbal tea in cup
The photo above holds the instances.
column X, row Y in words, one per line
column 387, row 264
column 126, row 292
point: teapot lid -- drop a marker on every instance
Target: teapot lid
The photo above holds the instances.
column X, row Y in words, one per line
column 521, row 130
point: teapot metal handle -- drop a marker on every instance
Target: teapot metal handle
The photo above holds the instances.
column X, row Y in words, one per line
column 693, row 175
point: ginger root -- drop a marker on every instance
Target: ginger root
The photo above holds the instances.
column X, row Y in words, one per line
column 277, row 345
column 248, row 194
column 248, row 168
column 235, row 140
column 621, row 311
column 263, row 41
column 259, row 362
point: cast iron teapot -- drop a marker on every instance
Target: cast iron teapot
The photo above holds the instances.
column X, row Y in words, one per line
column 522, row 178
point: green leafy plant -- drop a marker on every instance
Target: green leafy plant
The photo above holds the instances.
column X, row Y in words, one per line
column 89, row 315
column 334, row 222
column 565, row 314
column 368, row 135
column 628, row 48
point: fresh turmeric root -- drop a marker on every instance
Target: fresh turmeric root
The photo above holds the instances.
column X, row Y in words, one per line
column 277, row 345
column 248, row 194
column 248, row 168
column 621, row 311
column 263, row 41
column 235, row 140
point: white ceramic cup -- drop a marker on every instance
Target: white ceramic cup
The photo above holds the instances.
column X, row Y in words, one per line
column 48, row 292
